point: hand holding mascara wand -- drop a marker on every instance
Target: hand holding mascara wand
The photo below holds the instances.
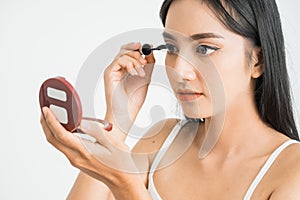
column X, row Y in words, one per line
column 53, row 88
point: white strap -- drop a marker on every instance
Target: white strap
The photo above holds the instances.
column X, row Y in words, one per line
column 151, row 187
column 166, row 145
column 266, row 167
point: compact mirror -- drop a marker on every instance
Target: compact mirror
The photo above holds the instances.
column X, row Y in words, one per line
column 62, row 98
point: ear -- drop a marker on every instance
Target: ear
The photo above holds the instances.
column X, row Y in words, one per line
column 257, row 63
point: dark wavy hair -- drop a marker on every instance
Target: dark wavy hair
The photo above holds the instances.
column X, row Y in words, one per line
column 259, row 21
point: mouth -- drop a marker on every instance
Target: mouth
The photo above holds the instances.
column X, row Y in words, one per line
column 188, row 95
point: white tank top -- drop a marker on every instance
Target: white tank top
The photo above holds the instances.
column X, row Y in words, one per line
column 151, row 187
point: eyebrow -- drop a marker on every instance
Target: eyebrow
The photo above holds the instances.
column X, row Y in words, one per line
column 195, row 36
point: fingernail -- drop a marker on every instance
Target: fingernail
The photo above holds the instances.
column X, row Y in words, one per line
column 141, row 71
column 44, row 110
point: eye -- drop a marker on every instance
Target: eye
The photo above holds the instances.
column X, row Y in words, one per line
column 172, row 49
column 206, row 50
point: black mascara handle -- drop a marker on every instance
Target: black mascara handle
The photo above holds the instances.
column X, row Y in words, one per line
column 146, row 49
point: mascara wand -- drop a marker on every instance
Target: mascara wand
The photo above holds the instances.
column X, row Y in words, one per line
column 146, row 49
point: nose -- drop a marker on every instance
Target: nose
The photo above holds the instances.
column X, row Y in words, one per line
column 183, row 69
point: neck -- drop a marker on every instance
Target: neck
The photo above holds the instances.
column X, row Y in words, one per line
column 232, row 132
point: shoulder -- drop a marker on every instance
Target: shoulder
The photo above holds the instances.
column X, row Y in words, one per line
column 151, row 142
column 286, row 174
column 289, row 159
column 149, row 145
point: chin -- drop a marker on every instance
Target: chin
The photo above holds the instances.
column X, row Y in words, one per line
column 195, row 111
column 199, row 116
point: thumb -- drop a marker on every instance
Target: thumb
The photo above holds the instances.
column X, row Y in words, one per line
column 150, row 58
column 150, row 64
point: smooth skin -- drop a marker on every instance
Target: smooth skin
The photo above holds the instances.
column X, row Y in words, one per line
column 243, row 147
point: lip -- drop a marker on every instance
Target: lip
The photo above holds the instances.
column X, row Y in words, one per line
column 188, row 95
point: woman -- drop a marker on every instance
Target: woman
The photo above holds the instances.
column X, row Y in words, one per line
column 256, row 155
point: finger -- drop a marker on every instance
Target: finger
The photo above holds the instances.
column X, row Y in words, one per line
column 95, row 149
column 131, row 46
column 76, row 156
column 52, row 140
column 128, row 67
column 59, row 132
column 115, row 141
column 49, row 135
column 140, row 71
column 136, row 55
column 148, row 68
column 150, row 58
column 96, row 130
column 133, row 66
column 129, row 50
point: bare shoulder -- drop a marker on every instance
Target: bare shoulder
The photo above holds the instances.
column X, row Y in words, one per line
column 154, row 138
column 149, row 145
column 286, row 174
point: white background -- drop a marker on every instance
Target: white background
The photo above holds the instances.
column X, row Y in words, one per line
column 41, row 39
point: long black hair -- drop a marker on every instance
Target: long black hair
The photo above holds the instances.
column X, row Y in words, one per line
column 259, row 21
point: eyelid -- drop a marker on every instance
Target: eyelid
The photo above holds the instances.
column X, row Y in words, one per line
column 168, row 40
column 198, row 45
column 208, row 46
column 175, row 48
column 170, row 43
column 210, row 49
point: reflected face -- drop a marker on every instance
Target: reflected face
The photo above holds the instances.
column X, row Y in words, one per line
column 207, row 64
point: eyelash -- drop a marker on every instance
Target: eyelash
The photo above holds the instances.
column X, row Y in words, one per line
column 208, row 49
column 172, row 49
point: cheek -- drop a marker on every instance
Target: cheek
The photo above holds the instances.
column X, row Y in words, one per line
column 235, row 75
column 170, row 62
column 168, row 65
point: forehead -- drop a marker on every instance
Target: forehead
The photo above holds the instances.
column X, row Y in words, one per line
column 191, row 17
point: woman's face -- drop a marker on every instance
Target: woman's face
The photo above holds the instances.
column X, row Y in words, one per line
column 208, row 67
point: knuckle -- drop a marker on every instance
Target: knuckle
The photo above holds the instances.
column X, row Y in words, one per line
column 137, row 63
column 126, row 46
column 122, row 59
column 130, row 63
column 136, row 54
column 89, row 156
column 49, row 139
column 127, row 52
column 61, row 136
column 123, row 46
column 75, row 161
